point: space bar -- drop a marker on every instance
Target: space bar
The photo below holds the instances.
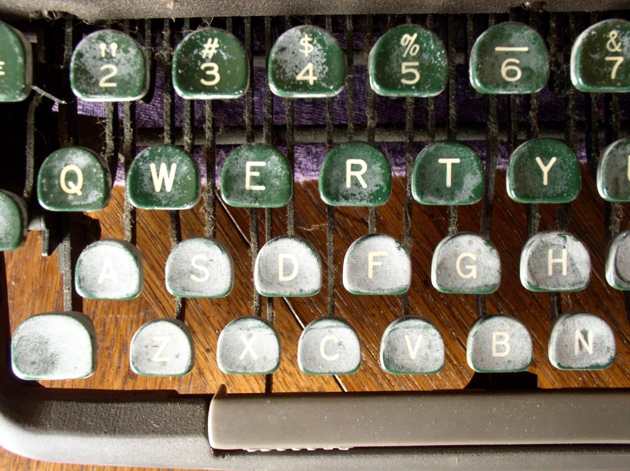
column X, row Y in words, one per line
column 348, row 420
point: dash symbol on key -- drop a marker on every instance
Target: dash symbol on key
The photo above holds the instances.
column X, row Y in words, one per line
column 511, row 49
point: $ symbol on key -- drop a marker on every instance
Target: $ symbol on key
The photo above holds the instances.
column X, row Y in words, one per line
column 305, row 42
column 612, row 45
column 210, row 48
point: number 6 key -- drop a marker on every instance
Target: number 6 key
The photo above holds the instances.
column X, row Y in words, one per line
column 509, row 58
column 109, row 66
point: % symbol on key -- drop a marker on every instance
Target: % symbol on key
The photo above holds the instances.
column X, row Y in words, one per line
column 408, row 41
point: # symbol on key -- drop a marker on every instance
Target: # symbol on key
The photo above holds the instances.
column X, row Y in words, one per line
column 408, row 41
column 210, row 48
column 307, row 48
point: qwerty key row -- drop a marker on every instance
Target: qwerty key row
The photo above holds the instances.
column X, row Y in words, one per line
column 352, row 174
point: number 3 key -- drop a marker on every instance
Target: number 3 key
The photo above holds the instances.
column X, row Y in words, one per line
column 109, row 66
column 600, row 58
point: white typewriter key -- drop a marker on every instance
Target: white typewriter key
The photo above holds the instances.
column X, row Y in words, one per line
column 465, row 264
column 199, row 268
column 376, row 264
column 555, row 261
column 163, row 347
column 618, row 262
column 288, row 266
column 412, row 345
column 109, row 269
column 499, row 343
column 581, row 341
column 329, row 346
column 56, row 345
column 248, row 345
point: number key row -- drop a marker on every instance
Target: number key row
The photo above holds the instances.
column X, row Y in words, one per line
column 307, row 61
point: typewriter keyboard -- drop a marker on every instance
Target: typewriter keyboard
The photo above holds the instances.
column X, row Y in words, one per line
column 325, row 204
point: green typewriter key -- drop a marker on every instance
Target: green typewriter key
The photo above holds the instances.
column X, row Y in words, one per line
column 613, row 172
column 376, row 264
column 448, row 173
column 618, row 262
column 543, row 171
column 555, row 261
column 109, row 66
column 288, row 266
column 581, row 341
column 355, row 174
column 465, row 263
column 413, row 346
column 55, row 345
column 163, row 347
column 248, row 345
column 256, row 176
column 13, row 221
column 306, row 62
column 408, row 61
column 199, row 268
column 74, row 179
column 499, row 344
column 16, row 66
column 509, row 58
column 210, row 64
column 163, row 177
column 109, row 269
column 600, row 58
column 329, row 346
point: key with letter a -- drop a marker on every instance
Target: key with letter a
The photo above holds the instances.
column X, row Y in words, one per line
column 109, row 269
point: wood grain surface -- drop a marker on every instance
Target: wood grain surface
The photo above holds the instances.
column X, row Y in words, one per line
column 35, row 286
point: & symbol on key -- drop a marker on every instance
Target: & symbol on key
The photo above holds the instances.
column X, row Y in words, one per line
column 612, row 45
